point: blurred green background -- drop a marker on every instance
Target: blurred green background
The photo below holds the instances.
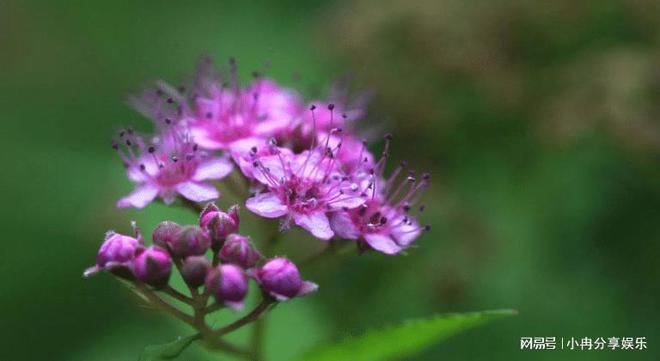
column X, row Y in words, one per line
column 540, row 123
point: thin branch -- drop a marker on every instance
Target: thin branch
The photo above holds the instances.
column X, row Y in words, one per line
column 214, row 307
column 257, row 338
column 168, row 290
column 159, row 302
column 250, row 317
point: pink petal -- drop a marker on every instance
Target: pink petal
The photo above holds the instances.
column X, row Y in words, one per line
column 215, row 168
column 343, row 226
column 244, row 145
column 266, row 205
column 272, row 165
column 382, row 243
column 204, row 137
column 140, row 197
column 307, row 287
column 316, row 223
column 347, row 201
column 197, row 192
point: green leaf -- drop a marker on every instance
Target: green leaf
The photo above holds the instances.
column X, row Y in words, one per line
column 402, row 340
column 168, row 351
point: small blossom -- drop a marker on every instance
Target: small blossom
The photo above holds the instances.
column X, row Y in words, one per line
column 239, row 250
column 219, row 224
column 385, row 221
column 194, row 270
column 234, row 118
column 116, row 252
column 281, row 279
column 168, row 165
column 228, row 284
column 303, row 187
column 153, row 266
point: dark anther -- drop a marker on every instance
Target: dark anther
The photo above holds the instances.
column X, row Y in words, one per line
column 170, row 100
column 427, row 227
column 151, row 149
column 388, row 136
column 312, row 107
column 142, row 167
column 331, row 106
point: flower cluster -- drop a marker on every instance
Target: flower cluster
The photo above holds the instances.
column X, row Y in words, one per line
column 301, row 162
column 305, row 165
column 235, row 259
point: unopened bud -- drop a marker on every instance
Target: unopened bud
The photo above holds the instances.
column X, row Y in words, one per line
column 117, row 251
column 219, row 224
column 153, row 266
column 239, row 250
column 194, row 270
column 228, row 284
column 191, row 241
column 281, row 279
column 166, row 234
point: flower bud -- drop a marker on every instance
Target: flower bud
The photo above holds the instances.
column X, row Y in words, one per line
column 228, row 283
column 219, row 224
column 281, row 279
column 239, row 250
column 166, row 233
column 153, row 266
column 194, row 270
column 189, row 241
column 117, row 251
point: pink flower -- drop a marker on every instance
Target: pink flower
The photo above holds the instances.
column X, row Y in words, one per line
column 384, row 222
column 170, row 165
column 235, row 118
column 303, row 187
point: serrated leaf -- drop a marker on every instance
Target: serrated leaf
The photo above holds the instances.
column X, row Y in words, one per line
column 167, row 351
column 402, row 340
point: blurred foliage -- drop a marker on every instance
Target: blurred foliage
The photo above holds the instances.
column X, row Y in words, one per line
column 539, row 122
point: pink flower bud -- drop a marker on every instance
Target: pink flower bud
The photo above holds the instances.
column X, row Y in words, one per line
column 239, row 250
column 281, row 279
column 219, row 224
column 166, row 233
column 117, row 251
column 153, row 266
column 228, row 283
column 194, row 270
column 189, row 241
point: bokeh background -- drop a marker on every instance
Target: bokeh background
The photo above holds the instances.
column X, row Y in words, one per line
column 540, row 123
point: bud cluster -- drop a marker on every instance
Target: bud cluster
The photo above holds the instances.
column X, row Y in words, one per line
column 234, row 259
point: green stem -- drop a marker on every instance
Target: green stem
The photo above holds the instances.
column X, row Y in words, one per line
column 159, row 302
column 254, row 315
column 257, row 340
column 168, row 290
